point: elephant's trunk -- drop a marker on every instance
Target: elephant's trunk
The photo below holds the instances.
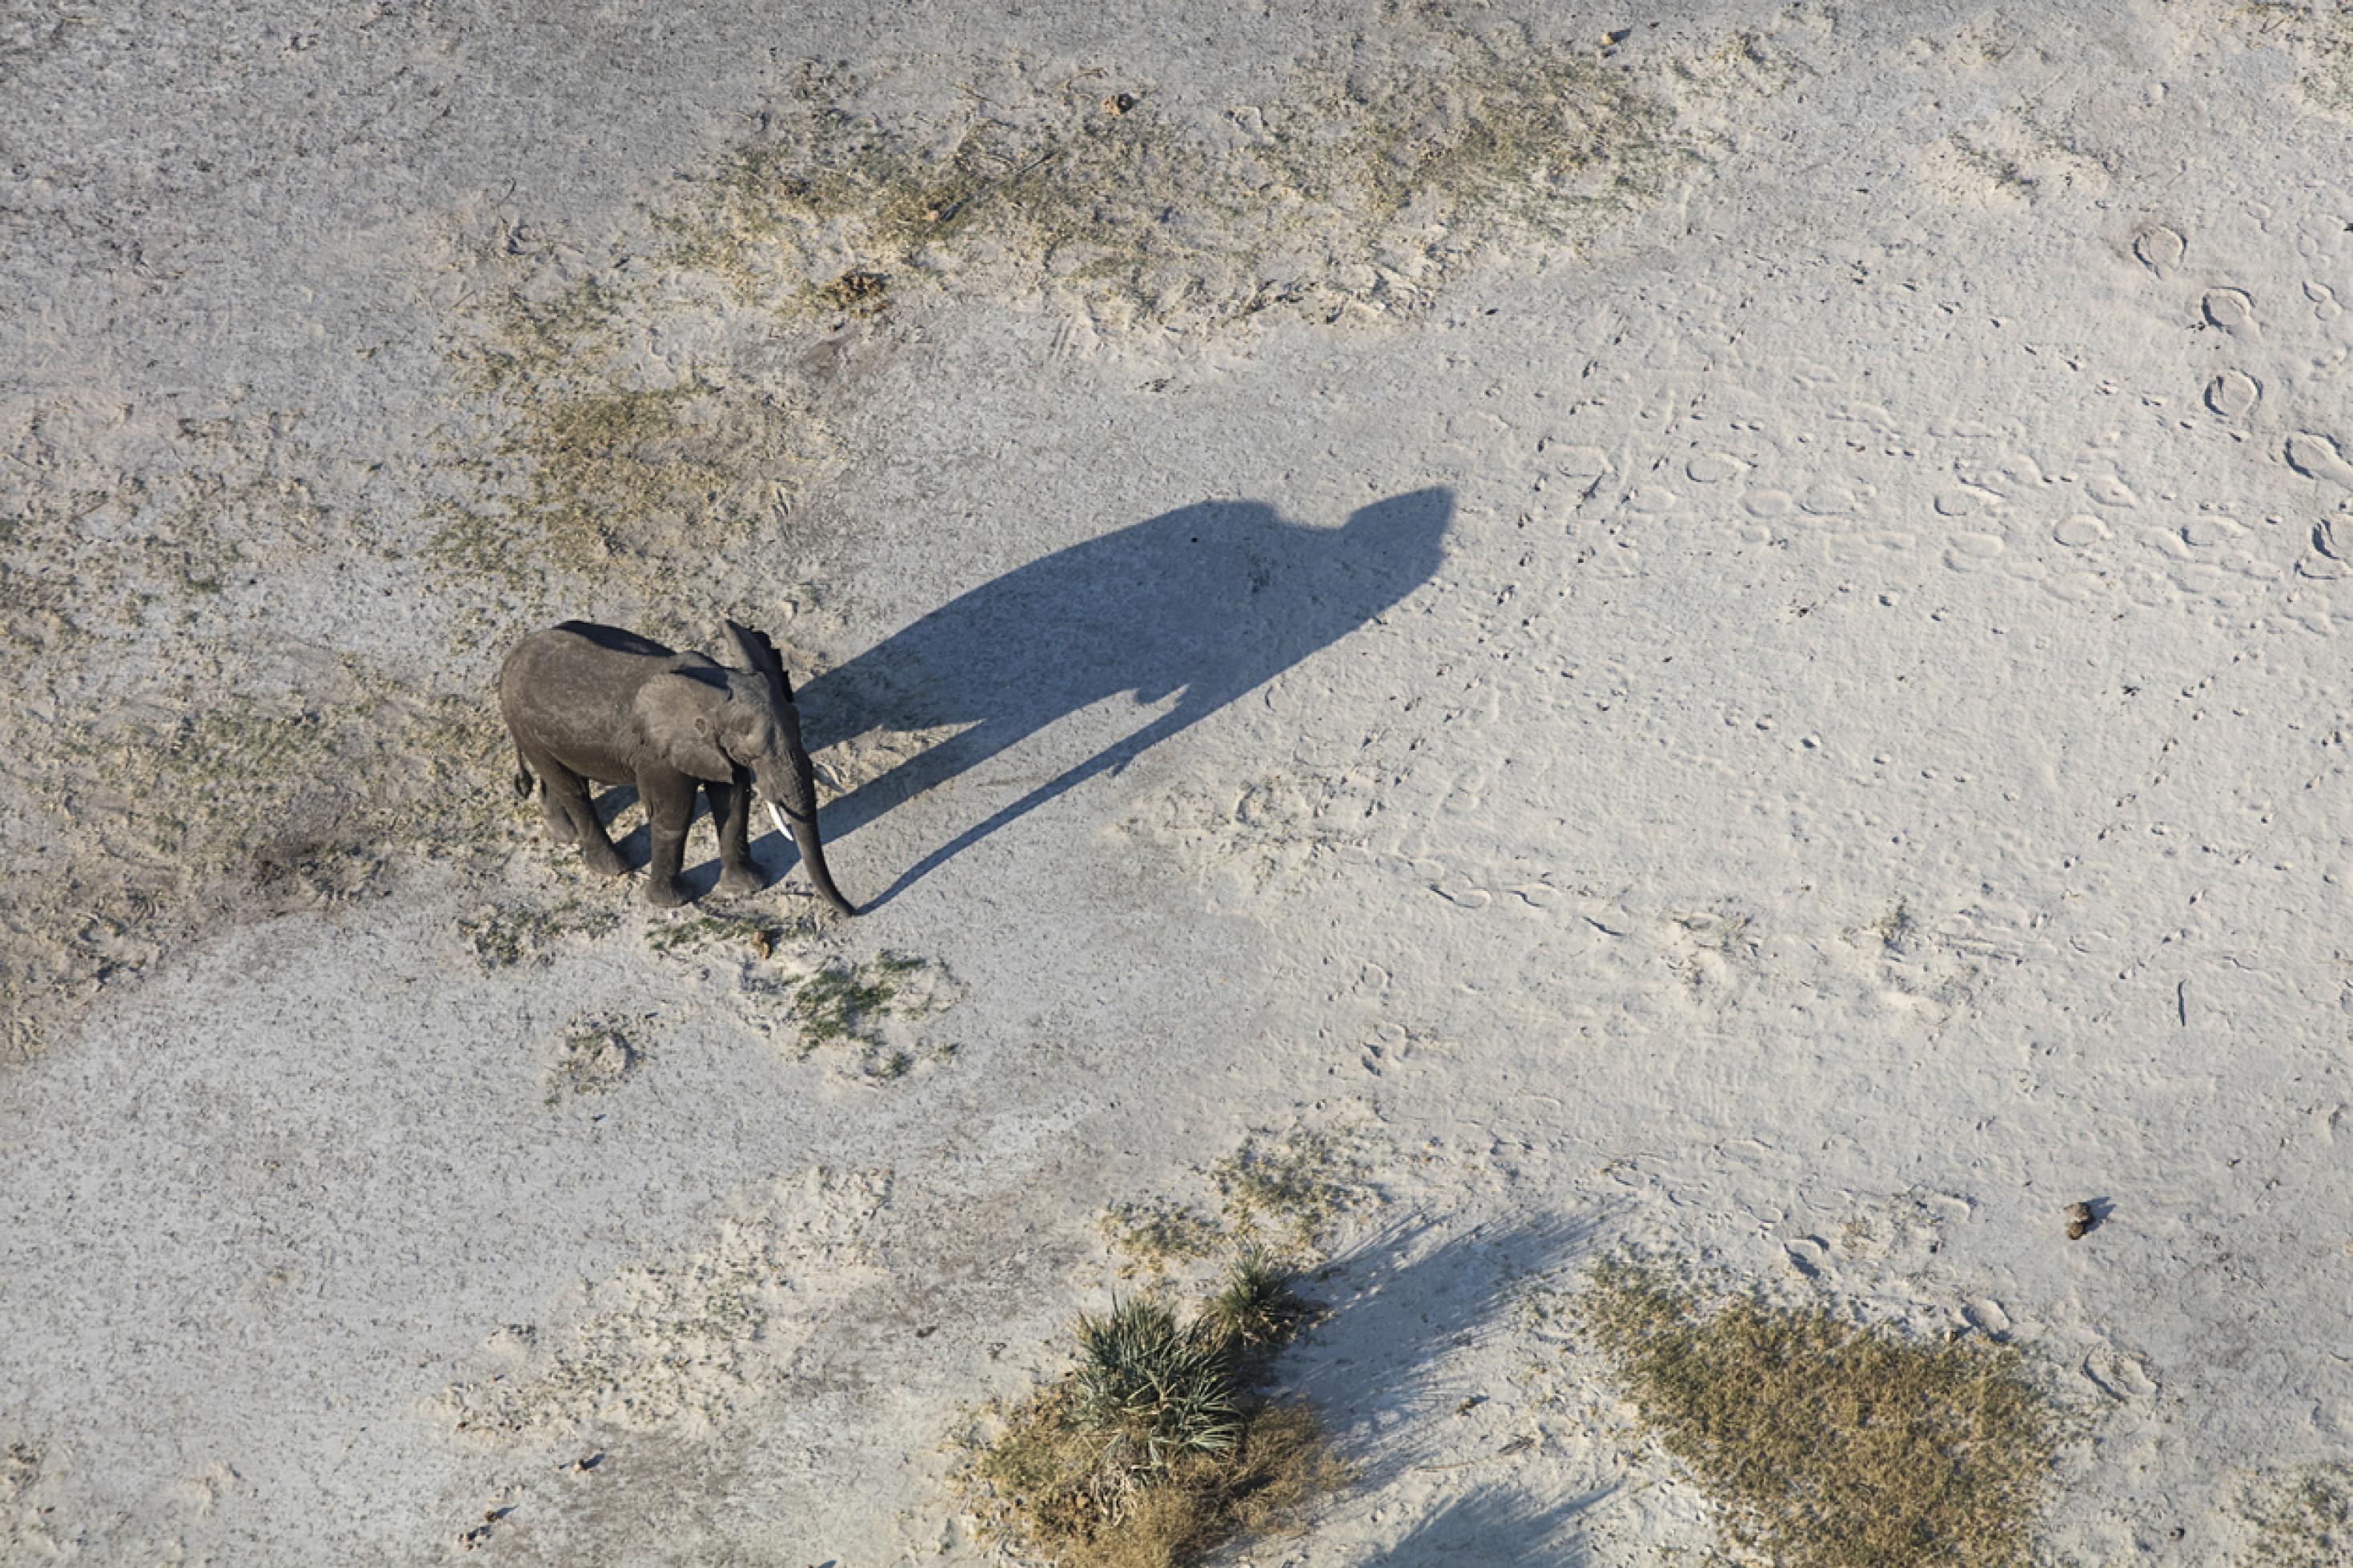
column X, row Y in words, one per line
column 804, row 832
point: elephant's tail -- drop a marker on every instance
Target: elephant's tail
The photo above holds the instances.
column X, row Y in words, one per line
column 523, row 779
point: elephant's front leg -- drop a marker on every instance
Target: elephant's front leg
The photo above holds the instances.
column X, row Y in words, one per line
column 669, row 800
column 731, row 809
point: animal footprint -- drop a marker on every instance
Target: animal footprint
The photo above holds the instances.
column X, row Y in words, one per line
column 2318, row 457
column 2234, row 394
column 2080, row 531
column 2160, row 248
column 2229, row 308
column 1454, row 887
column 1987, row 1316
column 2120, row 1374
column 1971, row 552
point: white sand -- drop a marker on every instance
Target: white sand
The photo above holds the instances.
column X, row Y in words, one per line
column 1861, row 771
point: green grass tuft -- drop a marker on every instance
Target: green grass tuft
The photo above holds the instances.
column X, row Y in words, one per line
column 1257, row 1307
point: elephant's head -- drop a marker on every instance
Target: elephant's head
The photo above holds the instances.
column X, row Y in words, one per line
column 708, row 724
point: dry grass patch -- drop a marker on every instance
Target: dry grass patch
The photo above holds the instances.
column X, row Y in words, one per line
column 1160, row 1444
column 1289, row 1190
column 1280, row 1195
column 604, row 453
column 1832, row 1445
column 1323, row 193
column 2305, row 1521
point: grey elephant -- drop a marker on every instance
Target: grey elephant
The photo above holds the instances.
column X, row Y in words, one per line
column 588, row 702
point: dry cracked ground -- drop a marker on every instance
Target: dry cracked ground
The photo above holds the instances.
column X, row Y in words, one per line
column 1704, row 632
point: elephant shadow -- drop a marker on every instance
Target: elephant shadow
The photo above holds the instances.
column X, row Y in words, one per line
column 1203, row 603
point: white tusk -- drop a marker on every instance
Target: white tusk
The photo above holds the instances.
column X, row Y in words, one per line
column 778, row 818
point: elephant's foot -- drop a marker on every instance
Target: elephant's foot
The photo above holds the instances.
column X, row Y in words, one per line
column 737, row 881
column 562, row 829
column 604, row 859
column 665, row 892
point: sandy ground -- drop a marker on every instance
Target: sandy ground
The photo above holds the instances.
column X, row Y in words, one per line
column 1787, row 709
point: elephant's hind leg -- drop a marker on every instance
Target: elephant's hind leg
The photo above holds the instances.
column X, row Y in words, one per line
column 731, row 812
column 572, row 817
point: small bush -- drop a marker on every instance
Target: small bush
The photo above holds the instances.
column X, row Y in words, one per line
column 1258, row 1309
column 1159, row 1444
column 1154, row 1388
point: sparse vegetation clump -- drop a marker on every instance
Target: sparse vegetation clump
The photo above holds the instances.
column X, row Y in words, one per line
column 594, row 1057
column 843, row 1001
column 1831, row 1444
column 1160, row 1443
column 1312, row 198
column 503, row 938
column 861, row 1005
column 758, row 935
column 1257, row 1310
column 2303, row 1521
column 1279, row 1199
column 1288, row 1190
column 1152, row 1237
column 606, row 455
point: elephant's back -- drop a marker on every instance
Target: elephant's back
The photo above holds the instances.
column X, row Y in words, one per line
column 583, row 647
column 572, row 686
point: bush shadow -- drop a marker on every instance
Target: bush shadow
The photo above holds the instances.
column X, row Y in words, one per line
column 1493, row 1525
column 1408, row 1299
column 1203, row 603
column 1380, row 1367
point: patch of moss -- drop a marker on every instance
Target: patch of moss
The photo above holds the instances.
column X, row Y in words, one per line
column 1831, row 1443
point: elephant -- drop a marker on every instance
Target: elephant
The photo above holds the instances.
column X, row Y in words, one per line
column 591, row 702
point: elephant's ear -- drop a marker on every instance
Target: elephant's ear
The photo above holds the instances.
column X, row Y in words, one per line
column 755, row 654
column 678, row 715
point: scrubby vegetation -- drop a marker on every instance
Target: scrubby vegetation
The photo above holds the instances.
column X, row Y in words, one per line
column 1316, row 198
column 1161, row 1443
column 2303, row 1521
column 508, row 935
column 1831, row 1444
column 843, row 1001
column 1279, row 1195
